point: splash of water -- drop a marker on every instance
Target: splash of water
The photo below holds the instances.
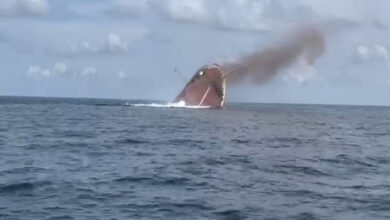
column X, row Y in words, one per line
column 180, row 104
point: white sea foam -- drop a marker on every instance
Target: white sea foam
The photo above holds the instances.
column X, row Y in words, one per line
column 169, row 105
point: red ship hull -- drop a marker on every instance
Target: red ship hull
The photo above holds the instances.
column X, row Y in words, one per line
column 206, row 88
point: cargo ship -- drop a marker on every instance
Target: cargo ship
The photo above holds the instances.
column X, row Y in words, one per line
column 207, row 88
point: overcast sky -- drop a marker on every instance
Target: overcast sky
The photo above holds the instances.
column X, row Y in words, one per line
column 130, row 48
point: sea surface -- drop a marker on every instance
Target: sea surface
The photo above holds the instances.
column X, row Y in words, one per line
column 123, row 159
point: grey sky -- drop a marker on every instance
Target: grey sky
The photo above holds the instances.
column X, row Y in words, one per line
column 130, row 48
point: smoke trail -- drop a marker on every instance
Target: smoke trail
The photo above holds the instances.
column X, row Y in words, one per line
column 305, row 43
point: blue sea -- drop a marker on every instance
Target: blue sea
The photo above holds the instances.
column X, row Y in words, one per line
column 63, row 158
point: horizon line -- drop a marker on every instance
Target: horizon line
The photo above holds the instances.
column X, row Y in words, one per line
column 229, row 102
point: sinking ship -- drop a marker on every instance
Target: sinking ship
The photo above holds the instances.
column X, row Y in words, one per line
column 207, row 88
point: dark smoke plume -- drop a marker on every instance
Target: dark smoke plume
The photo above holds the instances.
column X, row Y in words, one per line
column 307, row 43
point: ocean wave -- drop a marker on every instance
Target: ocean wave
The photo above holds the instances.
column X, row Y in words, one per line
column 15, row 187
column 155, row 180
column 131, row 141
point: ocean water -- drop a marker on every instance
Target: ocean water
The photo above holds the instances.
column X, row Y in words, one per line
column 119, row 159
